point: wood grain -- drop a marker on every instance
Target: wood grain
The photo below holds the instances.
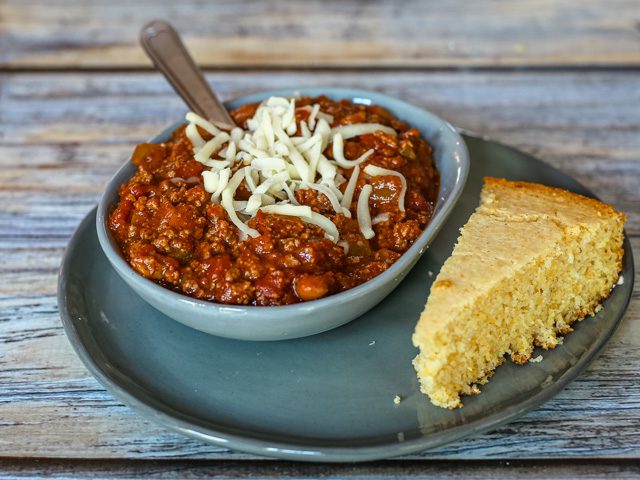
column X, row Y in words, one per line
column 51, row 407
column 555, row 79
column 320, row 33
column 190, row 469
column 72, row 131
column 63, row 135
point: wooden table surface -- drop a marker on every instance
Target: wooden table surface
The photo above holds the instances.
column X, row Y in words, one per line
column 560, row 80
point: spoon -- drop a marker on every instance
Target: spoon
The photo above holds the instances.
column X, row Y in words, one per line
column 164, row 47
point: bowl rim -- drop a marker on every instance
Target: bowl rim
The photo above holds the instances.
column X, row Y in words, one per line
column 444, row 206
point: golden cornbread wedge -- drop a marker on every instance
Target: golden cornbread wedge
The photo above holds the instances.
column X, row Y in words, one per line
column 530, row 261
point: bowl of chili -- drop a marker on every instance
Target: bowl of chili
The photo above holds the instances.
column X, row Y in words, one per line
column 285, row 272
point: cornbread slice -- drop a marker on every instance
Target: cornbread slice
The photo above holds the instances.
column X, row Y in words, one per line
column 530, row 261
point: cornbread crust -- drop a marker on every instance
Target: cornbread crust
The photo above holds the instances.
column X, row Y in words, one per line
column 530, row 261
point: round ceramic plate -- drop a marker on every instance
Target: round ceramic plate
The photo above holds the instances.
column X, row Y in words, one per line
column 329, row 397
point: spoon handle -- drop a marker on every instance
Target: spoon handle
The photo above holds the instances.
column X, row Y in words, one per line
column 165, row 48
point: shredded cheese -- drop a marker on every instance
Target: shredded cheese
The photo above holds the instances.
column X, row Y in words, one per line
column 357, row 129
column 223, row 179
column 212, row 146
column 306, row 133
column 227, row 203
column 249, row 178
column 230, row 152
column 382, row 217
column 289, row 118
column 211, row 180
column 290, row 210
column 290, row 194
column 271, row 182
column 364, row 217
column 323, row 129
column 253, row 204
column 194, row 136
column 269, row 163
column 312, row 116
column 275, row 156
column 305, row 212
column 338, row 153
column 331, row 231
column 327, row 170
column 347, row 197
column 333, row 199
column 202, row 123
column 216, row 164
column 313, row 156
column 308, row 143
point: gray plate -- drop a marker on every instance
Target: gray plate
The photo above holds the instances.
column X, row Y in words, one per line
column 328, row 397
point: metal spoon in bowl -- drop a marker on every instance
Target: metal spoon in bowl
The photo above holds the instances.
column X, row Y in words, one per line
column 167, row 52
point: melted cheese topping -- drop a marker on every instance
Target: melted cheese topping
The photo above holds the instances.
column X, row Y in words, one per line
column 274, row 157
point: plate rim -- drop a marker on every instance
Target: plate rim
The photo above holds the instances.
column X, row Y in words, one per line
column 291, row 451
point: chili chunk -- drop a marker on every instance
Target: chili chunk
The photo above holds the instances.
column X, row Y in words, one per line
column 170, row 232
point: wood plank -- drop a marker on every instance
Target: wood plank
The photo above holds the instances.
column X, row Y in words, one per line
column 15, row 469
column 51, row 407
column 72, row 131
column 61, row 137
column 93, row 34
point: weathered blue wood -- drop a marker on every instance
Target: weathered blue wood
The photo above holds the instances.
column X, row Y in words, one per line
column 313, row 33
column 63, row 135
